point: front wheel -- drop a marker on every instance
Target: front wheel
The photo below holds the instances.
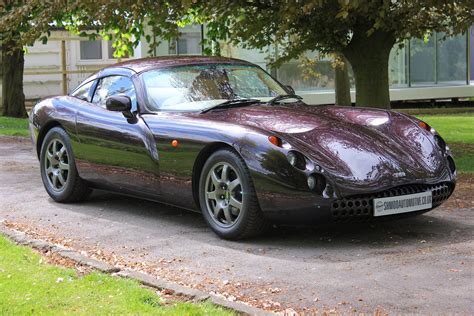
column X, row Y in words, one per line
column 227, row 197
column 58, row 168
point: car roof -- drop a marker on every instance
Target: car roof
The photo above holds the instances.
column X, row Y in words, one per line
column 145, row 64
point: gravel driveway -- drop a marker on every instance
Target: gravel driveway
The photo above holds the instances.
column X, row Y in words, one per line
column 416, row 265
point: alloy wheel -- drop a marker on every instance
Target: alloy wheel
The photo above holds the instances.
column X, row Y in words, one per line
column 224, row 194
column 56, row 164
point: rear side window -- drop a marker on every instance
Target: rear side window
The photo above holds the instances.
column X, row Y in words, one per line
column 83, row 92
column 113, row 85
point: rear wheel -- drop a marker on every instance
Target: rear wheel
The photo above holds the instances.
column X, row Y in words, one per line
column 58, row 168
column 227, row 197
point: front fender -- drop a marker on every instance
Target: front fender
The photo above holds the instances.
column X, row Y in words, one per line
column 49, row 113
column 279, row 186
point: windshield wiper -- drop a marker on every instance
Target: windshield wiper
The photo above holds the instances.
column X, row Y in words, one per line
column 284, row 97
column 231, row 103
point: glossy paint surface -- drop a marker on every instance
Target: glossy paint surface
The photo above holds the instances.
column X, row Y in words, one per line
column 360, row 150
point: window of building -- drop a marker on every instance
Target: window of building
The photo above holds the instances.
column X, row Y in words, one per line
column 97, row 50
column 422, row 61
column 90, row 49
column 189, row 42
column 438, row 60
column 398, row 70
column 471, row 41
column 451, row 59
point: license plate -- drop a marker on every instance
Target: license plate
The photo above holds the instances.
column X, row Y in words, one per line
column 402, row 204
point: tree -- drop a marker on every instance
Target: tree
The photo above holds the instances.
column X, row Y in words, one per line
column 363, row 31
column 16, row 30
column 342, row 85
column 13, row 100
column 125, row 21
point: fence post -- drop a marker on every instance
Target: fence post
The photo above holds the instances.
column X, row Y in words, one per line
column 63, row 66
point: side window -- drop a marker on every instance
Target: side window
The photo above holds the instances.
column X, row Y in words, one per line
column 83, row 92
column 114, row 85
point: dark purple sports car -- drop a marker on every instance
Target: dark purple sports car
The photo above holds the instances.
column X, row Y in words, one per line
column 221, row 136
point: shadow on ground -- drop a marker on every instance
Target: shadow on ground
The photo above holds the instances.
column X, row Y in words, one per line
column 285, row 241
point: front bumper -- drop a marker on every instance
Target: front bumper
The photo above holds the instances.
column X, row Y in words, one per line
column 356, row 208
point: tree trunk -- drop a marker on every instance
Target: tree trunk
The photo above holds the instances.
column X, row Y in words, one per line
column 369, row 56
column 12, row 80
column 371, row 81
column 343, row 86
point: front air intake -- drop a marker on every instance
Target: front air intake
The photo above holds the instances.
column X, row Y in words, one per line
column 360, row 207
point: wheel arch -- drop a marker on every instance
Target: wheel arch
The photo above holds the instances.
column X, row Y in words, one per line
column 43, row 131
column 201, row 159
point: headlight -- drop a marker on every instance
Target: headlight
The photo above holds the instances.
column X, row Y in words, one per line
column 438, row 139
column 451, row 165
column 440, row 142
column 296, row 159
column 292, row 158
column 317, row 183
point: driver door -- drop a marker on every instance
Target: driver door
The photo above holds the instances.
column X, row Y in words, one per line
column 116, row 151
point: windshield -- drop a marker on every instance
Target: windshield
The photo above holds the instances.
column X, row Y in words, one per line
column 198, row 87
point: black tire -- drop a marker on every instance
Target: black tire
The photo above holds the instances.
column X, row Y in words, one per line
column 250, row 221
column 74, row 189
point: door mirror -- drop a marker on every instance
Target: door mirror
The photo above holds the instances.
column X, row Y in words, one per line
column 119, row 103
column 290, row 89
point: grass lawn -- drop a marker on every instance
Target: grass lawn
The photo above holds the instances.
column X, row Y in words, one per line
column 14, row 126
column 28, row 285
column 458, row 132
column 453, row 128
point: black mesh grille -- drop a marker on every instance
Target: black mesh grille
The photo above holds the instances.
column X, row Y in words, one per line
column 360, row 207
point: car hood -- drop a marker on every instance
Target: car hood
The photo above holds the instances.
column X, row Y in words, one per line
column 358, row 147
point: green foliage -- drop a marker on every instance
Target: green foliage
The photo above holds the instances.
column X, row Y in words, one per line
column 458, row 132
column 463, row 157
column 295, row 25
column 13, row 126
column 30, row 286
column 363, row 31
column 453, row 128
column 124, row 22
column 327, row 25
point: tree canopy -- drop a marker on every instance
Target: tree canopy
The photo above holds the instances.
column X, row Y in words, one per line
column 363, row 31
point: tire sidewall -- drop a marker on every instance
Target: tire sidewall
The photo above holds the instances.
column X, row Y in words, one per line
column 240, row 225
column 58, row 196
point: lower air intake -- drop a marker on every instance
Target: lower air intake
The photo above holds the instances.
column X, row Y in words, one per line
column 361, row 208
